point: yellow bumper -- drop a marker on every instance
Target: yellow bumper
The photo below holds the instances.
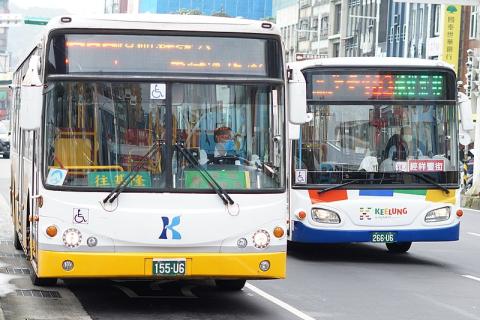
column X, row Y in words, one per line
column 139, row 265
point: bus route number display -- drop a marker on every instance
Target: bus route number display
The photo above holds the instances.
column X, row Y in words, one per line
column 109, row 53
column 368, row 87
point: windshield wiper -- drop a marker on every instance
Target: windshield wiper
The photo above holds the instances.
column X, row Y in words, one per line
column 431, row 181
column 205, row 174
column 339, row 185
column 133, row 173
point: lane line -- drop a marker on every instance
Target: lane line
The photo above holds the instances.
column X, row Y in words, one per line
column 442, row 304
column 471, row 277
column 279, row 302
column 474, row 234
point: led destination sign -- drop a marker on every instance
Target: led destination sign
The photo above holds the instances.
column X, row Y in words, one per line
column 371, row 86
column 101, row 53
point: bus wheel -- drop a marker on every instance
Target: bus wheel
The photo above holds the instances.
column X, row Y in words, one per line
column 230, row 285
column 399, row 247
column 41, row 282
column 16, row 242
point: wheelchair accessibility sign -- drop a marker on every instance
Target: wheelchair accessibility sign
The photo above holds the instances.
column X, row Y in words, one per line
column 56, row 177
column 301, row 176
column 80, row 216
column 158, row 91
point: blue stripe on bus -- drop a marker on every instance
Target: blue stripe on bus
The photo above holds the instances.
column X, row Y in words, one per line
column 376, row 193
column 306, row 234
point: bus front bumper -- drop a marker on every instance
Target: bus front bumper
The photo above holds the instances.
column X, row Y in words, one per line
column 303, row 233
column 140, row 265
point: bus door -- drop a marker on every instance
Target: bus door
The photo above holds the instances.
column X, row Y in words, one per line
column 25, row 171
column 36, row 200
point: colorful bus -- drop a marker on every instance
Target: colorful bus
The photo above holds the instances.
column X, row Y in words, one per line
column 151, row 146
column 378, row 160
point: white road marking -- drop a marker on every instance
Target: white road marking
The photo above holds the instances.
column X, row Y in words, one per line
column 441, row 304
column 471, row 277
column 474, row 234
column 279, row 302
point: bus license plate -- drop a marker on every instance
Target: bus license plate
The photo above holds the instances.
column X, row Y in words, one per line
column 168, row 267
column 383, row 237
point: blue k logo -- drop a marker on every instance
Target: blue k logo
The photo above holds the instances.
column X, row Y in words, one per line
column 167, row 225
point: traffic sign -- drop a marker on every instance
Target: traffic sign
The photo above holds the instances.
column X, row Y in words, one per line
column 36, row 21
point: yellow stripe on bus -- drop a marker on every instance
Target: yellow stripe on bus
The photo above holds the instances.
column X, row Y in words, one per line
column 441, row 196
column 124, row 265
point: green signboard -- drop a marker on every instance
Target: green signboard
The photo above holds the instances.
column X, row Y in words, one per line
column 227, row 179
column 109, row 179
column 36, row 21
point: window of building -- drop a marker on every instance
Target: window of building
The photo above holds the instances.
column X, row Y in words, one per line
column 420, row 23
column 338, row 18
column 414, row 24
column 324, row 27
column 336, row 50
column 474, row 23
column 436, row 20
column 392, row 34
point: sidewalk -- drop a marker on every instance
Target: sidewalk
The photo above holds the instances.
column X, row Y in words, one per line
column 472, row 202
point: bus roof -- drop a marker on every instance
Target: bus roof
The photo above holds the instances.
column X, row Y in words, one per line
column 165, row 22
column 368, row 62
column 155, row 22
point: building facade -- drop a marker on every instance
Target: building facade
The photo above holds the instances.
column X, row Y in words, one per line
column 311, row 28
column 249, row 9
column 362, row 22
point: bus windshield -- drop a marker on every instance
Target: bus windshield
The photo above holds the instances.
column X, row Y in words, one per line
column 97, row 132
column 377, row 143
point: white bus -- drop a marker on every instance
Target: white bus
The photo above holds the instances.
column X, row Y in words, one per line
column 378, row 160
column 151, row 146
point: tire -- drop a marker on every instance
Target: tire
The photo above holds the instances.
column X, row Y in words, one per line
column 230, row 285
column 16, row 241
column 7, row 155
column 399, row 247
column 41, row 282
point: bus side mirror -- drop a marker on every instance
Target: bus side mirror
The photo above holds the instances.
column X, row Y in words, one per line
column 31, row 96
column 465, row 108
column 294, row 129
column 297, row 97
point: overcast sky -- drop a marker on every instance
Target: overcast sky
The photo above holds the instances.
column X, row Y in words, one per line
column 73, row 6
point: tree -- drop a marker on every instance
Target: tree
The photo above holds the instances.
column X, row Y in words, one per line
column 220, row 14
column 194, row 12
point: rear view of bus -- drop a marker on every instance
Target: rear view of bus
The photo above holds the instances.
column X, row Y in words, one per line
column 160, row 152
column 378, row 161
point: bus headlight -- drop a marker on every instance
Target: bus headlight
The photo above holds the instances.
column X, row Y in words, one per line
column 261, row 239
column 72, row 238
column 325, row 216
column 437, row 215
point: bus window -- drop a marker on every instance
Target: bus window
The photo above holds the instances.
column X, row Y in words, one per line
column 99, row 132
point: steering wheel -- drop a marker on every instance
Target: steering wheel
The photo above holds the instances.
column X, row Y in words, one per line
column 221, row 159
